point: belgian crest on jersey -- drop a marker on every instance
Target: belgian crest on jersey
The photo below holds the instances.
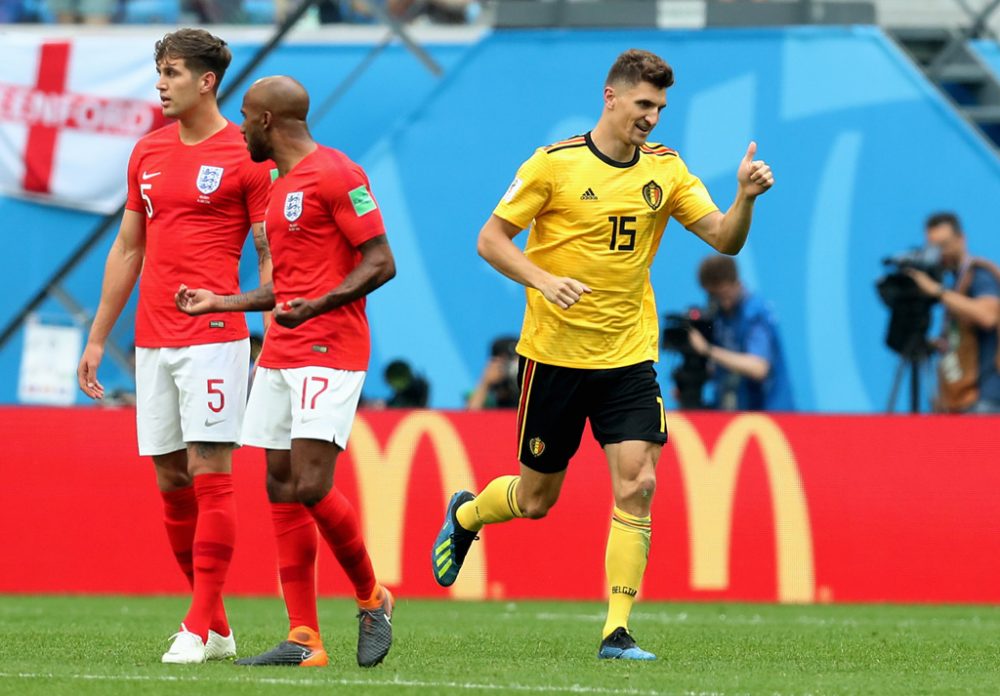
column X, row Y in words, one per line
column 293, row 206
column 209, row 178
column 652, row 194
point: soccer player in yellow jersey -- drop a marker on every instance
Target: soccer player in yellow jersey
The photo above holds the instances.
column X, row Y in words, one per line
column 597, row 205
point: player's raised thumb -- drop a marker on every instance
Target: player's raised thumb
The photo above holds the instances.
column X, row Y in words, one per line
column 751, row 151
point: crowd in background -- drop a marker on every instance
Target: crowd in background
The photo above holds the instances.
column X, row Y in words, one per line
column 232, row 11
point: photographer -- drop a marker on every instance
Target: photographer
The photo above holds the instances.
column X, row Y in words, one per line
column 409, row 390
column 968, row 379
column 747, row 366
column 498, row 386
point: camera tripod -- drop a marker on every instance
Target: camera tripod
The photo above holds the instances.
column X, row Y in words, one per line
column 914, row 362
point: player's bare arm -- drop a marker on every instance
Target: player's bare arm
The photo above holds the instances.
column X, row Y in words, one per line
column 496, row 245
column 195, row 301
column 376, row 268
column 265, row 268
column 728, row 233
column 121, row 271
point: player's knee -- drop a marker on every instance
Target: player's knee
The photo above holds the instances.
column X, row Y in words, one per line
column 309, row 492
column 281, row 490
column 171, row 478
column 172, row 470
column 640, row 489
column 646, row 486
column 537, row 507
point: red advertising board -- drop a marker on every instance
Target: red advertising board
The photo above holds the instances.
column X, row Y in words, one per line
column 748, row 507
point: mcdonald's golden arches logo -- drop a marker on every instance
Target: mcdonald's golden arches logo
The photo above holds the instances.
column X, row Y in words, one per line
column 710, row 487
column 383, row 478
column 709, row 480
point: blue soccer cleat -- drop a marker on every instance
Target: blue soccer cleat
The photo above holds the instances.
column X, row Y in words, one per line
column 621, row 646
column 452, row 543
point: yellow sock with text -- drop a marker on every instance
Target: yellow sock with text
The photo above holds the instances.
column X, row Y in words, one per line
column 625, row 563
column 495, row 503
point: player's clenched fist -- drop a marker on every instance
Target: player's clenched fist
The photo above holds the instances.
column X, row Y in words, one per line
column 195, row 301
column 754, row 176
column 564, row 292
column 294, row 312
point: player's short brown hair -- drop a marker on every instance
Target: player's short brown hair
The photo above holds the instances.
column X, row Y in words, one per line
column 202, row 52
column 635, row 66
column 715, row 270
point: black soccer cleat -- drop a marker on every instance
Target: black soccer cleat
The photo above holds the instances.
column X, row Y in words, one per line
column 302, row 649
column 375, row 632
column 621, row 646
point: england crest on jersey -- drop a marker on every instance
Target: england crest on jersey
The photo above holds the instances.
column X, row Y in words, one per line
column 209, row 178
column 293, row 206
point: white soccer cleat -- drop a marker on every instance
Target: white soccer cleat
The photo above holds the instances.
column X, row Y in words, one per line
column 220, row 647
column 187, row 648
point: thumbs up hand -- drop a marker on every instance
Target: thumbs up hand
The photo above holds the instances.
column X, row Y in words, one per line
column 753, row 176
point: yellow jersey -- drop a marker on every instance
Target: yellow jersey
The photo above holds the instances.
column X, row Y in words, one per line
column 600, row 222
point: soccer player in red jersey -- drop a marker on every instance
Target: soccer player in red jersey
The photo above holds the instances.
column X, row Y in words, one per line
column 329, row 247
column 193, row 193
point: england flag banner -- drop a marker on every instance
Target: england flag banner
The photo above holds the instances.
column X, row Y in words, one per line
column 71, row 109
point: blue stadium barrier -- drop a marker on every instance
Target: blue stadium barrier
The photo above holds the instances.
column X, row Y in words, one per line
column 259, row 11
column 862, row 145
column 151, row 11
column 36, row 11
column 989, row 51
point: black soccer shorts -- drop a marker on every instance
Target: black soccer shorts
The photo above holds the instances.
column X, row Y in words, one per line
column 622, row 403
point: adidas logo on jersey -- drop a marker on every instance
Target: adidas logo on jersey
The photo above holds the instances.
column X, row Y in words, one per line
column 589, row 195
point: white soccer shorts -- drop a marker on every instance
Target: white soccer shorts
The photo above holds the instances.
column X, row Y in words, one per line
column 190, row 394
column 313, row 403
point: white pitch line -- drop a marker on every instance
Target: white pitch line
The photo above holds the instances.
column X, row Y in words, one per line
column 757, row 619
column 395, row 683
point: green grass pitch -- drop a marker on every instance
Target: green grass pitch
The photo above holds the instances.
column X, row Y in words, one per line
column 112, row 645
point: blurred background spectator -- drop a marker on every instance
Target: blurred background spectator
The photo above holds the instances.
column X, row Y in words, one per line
column 83, row 11
column 215, row 11
column 409, row 390
column 746, row 361
column 498, row 386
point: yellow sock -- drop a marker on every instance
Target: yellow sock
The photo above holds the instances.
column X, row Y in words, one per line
column 625, row 563
column 496, row 503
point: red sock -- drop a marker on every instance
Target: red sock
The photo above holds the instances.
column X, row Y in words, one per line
column 338, row 523
column 295, row 532
column 180, row 515
column 212, row 549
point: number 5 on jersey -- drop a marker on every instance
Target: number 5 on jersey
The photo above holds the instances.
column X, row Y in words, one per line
column 143, row 188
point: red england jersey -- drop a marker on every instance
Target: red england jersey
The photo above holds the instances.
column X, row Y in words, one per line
column 318, row 214
column 199, row 201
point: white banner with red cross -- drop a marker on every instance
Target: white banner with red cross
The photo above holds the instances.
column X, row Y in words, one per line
column 71, row 109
